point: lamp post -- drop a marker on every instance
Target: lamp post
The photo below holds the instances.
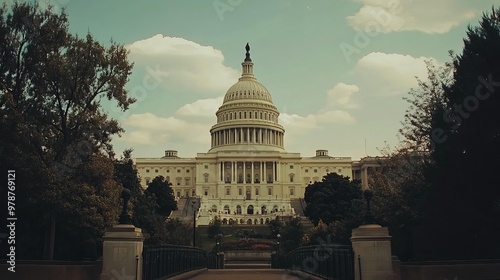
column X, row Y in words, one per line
column 218, row 238
column 125, row 216
column 278, row 242
column 369, row 218
column 194, row 223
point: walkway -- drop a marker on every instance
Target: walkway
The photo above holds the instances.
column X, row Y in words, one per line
column 245, row 274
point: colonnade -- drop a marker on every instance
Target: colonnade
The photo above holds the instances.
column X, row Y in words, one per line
column 246, row 135
column 249, row 171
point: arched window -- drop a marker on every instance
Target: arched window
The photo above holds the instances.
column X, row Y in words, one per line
column 226, row 209
column 238, row 209
column 214, row 208
column 250, row 209
column 263, row 210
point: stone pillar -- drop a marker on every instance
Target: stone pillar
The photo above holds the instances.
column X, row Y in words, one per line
column 122, row 248
column 371, row 244
column 122, row 253
column 372, row 247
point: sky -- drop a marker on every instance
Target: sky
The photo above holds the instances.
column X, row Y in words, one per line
column 337, row 70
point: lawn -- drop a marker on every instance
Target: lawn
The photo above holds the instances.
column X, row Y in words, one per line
column 261, row 236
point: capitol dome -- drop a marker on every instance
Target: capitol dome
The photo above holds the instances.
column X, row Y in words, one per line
column 247, row 118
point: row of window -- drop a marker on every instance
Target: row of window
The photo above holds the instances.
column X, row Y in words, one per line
column 206, row 167
column 248, row 194
column 243, row 115
column 250, row 209
column 168, row 170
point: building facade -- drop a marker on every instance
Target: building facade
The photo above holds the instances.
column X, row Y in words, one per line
column 247, row 177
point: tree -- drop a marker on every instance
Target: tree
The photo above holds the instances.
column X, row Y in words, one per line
column 320, row 234
column 401, row 198
column 292, row 234
column 331, row 199
column 164, row 195
column 126, row 174
column 425, row 101
column 52, row 127
column 465, row 164
column 275, row 226
column 214, row 227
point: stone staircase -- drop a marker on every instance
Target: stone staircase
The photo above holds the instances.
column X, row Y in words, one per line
column 185, row 210
column 247, row 260
column 298, row 204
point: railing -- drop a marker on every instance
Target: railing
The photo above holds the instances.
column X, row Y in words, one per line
column 332, row 261
column 161, row 262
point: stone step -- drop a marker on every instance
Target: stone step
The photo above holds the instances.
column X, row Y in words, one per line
column 247, row 265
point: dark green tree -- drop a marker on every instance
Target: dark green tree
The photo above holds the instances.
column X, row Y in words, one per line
column 466, row 158
column 401, row 198
column 214, row 227
column 164, row 195
column 52, row 127
column 331, row 199
column 126, row 174
column 292, row 235
column 275, row 227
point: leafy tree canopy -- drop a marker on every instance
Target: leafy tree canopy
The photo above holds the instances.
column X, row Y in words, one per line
column 55, row 134
column 164, row 194
column 331, row 199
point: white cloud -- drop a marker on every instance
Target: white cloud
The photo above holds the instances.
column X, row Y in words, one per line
column 201, row 107
column 190, row 66
column 149, row 129
column 340, row 96
column 390, row 74
column 295, row 124
column 428, row 16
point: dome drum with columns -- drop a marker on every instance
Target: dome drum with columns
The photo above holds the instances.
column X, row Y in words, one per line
column 246, row 177
column 247, row 116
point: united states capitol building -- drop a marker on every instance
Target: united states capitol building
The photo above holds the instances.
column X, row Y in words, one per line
column 247, row 177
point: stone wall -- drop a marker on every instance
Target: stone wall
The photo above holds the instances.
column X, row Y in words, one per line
column 52, row 270
column 451, row 270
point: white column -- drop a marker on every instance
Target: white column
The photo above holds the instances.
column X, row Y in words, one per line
column 220, row 170
column 265, row 172
column 278, row 171
column 274, row 171
column 252, row 176
column 254, row 134
column 262, row 178
column 244, row 172
column 232, row 171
